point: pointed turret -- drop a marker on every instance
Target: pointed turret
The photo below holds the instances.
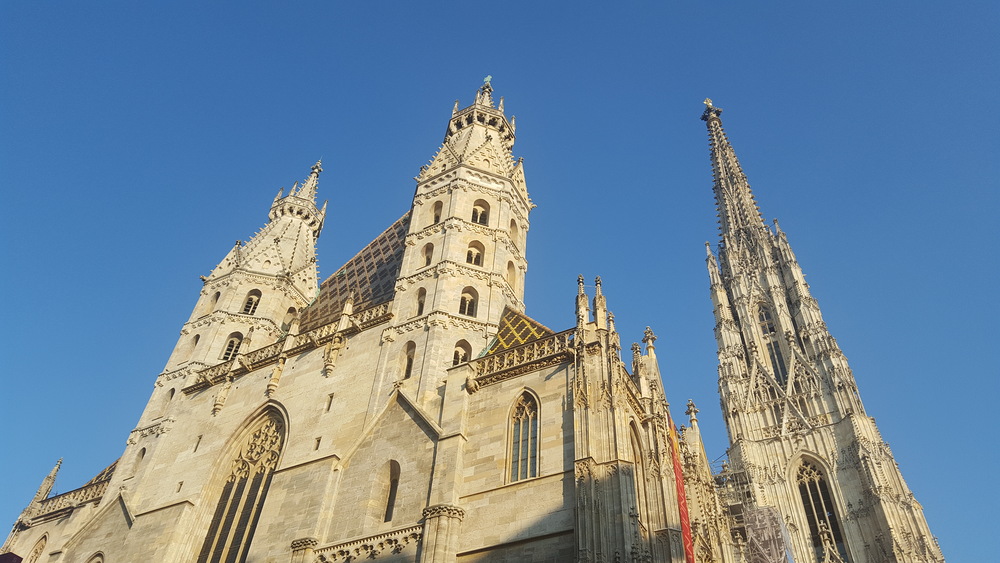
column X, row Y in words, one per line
column 259, row 286
column 738, row 211
column 308, row 189
column 48, row 483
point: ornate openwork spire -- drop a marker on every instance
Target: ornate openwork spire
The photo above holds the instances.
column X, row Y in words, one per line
column 735, row 202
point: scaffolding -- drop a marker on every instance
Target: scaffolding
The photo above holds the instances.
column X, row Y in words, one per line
column 759, row 534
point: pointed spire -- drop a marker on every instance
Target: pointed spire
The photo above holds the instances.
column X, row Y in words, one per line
column 582, row 310
column 308, row 189
column 737, row 208
column 48, row 483
column 600, row 305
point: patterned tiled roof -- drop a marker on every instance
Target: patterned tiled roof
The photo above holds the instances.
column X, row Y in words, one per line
column 516, row 329
column 370, row 276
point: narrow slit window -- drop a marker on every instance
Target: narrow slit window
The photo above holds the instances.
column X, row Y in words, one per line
column 390, row 501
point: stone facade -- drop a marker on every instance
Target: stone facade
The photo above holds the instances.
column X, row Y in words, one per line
column 407, row 409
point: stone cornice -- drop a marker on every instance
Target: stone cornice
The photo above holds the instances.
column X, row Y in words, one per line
column 498, row 235
column 289, row 346
column 370, row 547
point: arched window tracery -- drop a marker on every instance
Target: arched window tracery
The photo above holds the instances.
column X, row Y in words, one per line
column 238, row 511
column 524, row 438
column 824, row 526
column 770, row 336
column 36, row 552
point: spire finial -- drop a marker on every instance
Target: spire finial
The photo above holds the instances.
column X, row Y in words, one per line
column 597, row 282
column 484, row 96
column 648, row 338
column 692, row 410
column 579, row 283
column 710, row 110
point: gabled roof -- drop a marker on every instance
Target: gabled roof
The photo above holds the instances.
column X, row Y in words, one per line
column 370, row 277
column 516, row 329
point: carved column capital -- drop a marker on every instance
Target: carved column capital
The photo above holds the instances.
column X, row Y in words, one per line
column 449, row 510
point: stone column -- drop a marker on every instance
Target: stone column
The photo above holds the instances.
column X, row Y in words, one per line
column 303, row 550
column 441, row 526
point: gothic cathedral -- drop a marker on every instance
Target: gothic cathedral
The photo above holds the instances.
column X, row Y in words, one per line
column 408, row 409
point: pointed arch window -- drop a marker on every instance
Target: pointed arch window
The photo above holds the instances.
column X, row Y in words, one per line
column 467, row 303
column 236, row 515
column 481, row 212
column 251, row 302
column 37, row 550
column 475, row 253
column 232, row 346
column 524, row 438
column 824, row 526
column 463, row 352
column 770, row 336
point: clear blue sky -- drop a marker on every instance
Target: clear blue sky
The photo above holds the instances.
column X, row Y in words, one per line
column 139, row 140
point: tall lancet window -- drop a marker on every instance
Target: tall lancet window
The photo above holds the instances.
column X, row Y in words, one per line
column 524, row 438
column 236, row 515
column 824, row 527
column 770, row 336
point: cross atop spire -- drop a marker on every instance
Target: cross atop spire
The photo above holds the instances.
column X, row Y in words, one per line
column 737, row 207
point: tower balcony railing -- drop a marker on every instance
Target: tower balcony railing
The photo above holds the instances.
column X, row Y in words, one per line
column 71, row 499
column 534, row 354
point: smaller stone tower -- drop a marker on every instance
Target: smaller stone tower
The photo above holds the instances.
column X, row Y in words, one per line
column 254, row 295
